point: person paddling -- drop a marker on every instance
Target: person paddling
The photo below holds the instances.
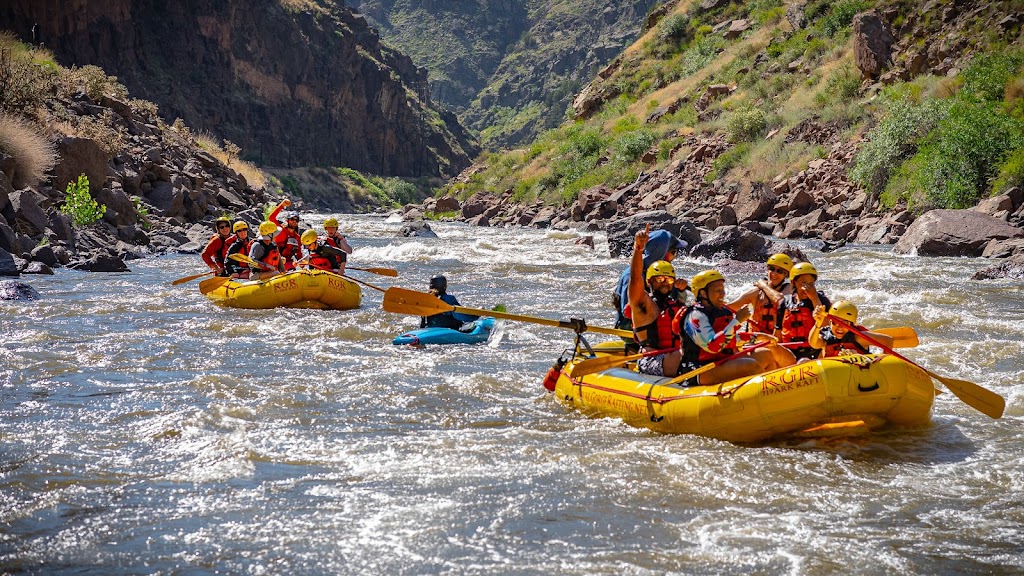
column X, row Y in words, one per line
column 241, row 245
column 266, row 253
column 836, row 338
column 216, row 249
column 453, row 320
column 767, row 293
column 320, row 255
column 795, row 316
column 711, row 334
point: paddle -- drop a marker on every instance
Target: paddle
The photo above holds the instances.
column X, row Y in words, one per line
column 981, row 399
column 246, row 260
column 380, row 271
column 592, row 365
column 403, row 301
column 902, row 336
column 207, row 286
column 191, row 278
column 363, row 283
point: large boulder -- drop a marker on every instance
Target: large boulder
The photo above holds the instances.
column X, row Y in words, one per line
column 30, row 218
column 753, row 202
column 14, row 290
column 8, row 267
column 101, row 260
column 954, row 233
column 80, row 156
column 872, row 43
column 419, row 229
column 621, row 232
column 740, row 244
column 477, row 204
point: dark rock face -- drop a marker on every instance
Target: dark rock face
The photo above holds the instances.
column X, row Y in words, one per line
column 14, row 290
column 954, row 233
column 8, row 267
column 291, row 87
column 872, row 43
column 735, row 243
column 621, row 232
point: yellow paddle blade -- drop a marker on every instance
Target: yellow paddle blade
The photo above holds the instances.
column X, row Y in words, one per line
column 403, row 301
column 902, row 336
column 379, row 271
column 207, row 286
column 191, row 278
column 592, row 365
column 981, row 399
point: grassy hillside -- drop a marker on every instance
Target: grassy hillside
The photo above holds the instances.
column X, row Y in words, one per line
column 944, row 138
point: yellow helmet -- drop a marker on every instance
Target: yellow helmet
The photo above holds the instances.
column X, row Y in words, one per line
column 701, row 280
column 308, row 237
column 240, row 225
column 661, row 268
column 331, row 223
column 845, row 310
column 267, row 228
column 780, row 261
column 803, row 268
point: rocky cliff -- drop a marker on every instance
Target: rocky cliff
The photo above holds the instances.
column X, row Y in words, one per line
column 509, row 68
column 292, row 82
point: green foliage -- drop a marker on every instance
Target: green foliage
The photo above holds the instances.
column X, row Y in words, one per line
column 400, row 191
column 842, row 84
column 79, row 204
column 1011, row 172
column 674, row 27
column 443, row 215
column 142, row 212
column 841, row 15
column 631, row 145
column 746, row 123
column 290, row 185
column 727, row 160
column 988, row 75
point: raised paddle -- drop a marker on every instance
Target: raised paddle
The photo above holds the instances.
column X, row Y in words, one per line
column 404, row 301
column 902, row 336
column 191, row 278
column 981, row 399
column 379, row 271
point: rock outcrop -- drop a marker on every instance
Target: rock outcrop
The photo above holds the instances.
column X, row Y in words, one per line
column 293, row 84
column 954, row 233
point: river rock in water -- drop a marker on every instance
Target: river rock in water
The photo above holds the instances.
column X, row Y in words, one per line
column 1012, row 267
column 954, row 233
column 419, row 228
column 14, row 290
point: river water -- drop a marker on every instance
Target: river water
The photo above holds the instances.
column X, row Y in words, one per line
column 144, row 430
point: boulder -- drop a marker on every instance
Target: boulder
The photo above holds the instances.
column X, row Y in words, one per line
column 954, row 233
column 736, row 28
column 733, row 243
column 872, row 43
column 26, row 205
column 419, row 229
column 80, row 156
column 479, row 220
column 1003, row 248
column 544, row 218
column 753, row 202
column 14, row 290
column 448, row 204
column 167, row 200
column 995, row 205
column 8, row 267
column 1012, row 268
column 101, row 260
column 37, row 268
column 120, row 208
column 477, row 204
column 805, row 226
column 621, row 232
column 8, row 239
column 45, row 255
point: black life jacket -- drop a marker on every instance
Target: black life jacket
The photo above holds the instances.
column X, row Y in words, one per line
column 835, row 346
column 719, row 318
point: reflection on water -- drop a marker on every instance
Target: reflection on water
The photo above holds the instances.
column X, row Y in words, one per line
column 144, row 430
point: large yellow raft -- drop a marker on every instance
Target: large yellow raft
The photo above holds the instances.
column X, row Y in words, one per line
column 840, row 396
column 297, row 289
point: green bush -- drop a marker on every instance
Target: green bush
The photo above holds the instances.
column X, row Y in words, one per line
column 841, row 15
column 79, row 204
column 400, row 191
column 988, row 75
column 1011, row 172
column 727, row 160
column 746, row 123
column 674, row 27
column 632, row 145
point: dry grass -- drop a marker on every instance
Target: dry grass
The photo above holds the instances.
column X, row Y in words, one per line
column 253, row 175
column 33, row 154
column 680, row 8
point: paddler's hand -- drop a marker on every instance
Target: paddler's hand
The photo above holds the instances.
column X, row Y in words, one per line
column 743, row 314
column 681, row 284
column 642, row 236
column 819, row 315
column 286, row 202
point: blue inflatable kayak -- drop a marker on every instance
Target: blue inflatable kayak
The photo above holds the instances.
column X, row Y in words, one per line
column 480, row 333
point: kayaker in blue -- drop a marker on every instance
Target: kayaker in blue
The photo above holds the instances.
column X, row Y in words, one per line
column 661, row 245
column 453, row 320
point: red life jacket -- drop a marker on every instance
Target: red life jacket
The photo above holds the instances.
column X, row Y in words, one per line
column 288, row 243
column 322, row 261
column 220, row 246
column 797, row 317
column 835, row 346
column 659, row 334
column 719, row 318
column 763, row 317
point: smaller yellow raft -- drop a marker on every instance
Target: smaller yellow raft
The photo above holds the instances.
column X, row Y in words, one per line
column 841, row 396
column 297, row 289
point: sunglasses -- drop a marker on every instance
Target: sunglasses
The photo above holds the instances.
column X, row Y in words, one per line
column 777, row 270
column 223, row 226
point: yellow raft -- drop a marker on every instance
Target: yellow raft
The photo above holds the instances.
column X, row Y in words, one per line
column 298, row 289
column 839, row 396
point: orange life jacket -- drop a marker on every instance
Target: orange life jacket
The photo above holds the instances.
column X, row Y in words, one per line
column 763, row 317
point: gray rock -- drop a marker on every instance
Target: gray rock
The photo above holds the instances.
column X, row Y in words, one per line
column 45, row 255
column 872, row 43
column 8, row 239
column 739, row 243
column 419, row 229
column 621, row 232
column 954, row 233
column 101, row 261
column 14, row 290
column 80, row 156
column 26, row 205
column 37, row 268
column 8, row 267
column 1012, row 267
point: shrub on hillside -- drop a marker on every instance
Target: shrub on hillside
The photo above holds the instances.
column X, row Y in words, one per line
column 24, row 85
column 841, row 15
column 1011, row 172
column 630, row 146
column 746, row 123
column 33, row 154
column 79, row 204
column 674, row 27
